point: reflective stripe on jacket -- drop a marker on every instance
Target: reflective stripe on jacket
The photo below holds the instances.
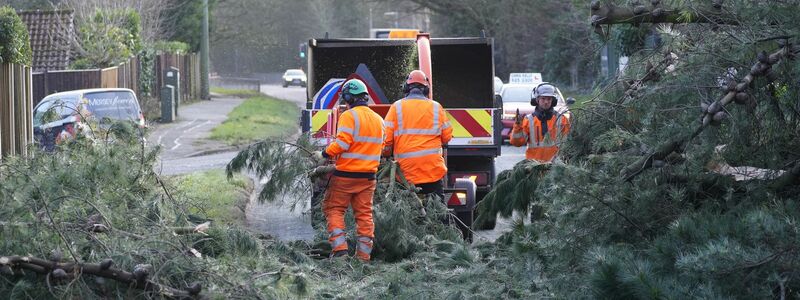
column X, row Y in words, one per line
column 359, row 141
column 540, row 148
column 416, row 128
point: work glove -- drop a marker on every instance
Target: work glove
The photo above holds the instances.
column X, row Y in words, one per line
column 386, row 152
column 518, row 119
column 318, row 158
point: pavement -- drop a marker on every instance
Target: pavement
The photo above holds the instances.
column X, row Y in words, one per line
column 185, row 143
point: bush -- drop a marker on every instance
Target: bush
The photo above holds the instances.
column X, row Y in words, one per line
column 171, row 47
column 108, row 38
column 15, row 45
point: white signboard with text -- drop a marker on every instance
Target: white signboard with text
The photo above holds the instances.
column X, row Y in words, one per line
column 531, row 78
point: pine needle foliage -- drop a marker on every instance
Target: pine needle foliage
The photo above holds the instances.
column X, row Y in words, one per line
column 514, row 190
column 282, row 166
column 652, row 203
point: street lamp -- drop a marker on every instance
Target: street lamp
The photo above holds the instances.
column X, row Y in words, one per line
column 396, row 17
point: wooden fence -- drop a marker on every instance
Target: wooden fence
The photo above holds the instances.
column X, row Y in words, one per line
column 189, row 67
column 123, row 76
column 16, row 109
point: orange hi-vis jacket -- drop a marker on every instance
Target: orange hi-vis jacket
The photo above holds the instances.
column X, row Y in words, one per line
column 540, row 148
column 416, row 128
column 359, row 141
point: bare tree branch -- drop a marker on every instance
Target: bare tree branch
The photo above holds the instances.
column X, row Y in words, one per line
column 64, row 271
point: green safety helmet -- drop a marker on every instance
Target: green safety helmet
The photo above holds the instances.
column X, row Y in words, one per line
column 354, row 87
column 354, row 90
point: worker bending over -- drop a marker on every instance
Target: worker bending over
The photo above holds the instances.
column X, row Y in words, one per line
column 357, row 151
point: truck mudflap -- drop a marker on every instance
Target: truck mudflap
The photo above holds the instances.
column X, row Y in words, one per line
column 461, row 197
column 461, row 202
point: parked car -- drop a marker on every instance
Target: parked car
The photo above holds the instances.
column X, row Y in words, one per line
column 294, row 77
column 498, row 85
column 518, row 96
column 65, row 115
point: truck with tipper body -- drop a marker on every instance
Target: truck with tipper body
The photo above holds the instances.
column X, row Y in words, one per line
column 461, row 74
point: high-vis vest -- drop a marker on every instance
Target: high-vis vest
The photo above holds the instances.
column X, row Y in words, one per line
column 540, row 148
column 417, row 128
column 359, row 141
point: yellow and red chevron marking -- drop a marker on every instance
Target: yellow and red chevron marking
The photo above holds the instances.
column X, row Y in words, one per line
column 319, row 122
column 469, row 123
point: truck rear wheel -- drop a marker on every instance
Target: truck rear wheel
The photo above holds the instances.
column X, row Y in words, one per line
column 465, row 224
column 487, row 224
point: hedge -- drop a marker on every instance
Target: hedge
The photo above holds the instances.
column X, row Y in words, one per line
column 15, row 45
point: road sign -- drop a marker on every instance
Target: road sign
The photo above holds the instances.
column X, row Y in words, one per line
column 533, row 78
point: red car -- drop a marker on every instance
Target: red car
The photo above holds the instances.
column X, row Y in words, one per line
column 518, row 96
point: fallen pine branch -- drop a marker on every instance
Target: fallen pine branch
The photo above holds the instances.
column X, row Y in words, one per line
column 201, row 228
column 655, row 13
column 137, row 278
column 714, row 113
column 791, row 177
column 651, row 74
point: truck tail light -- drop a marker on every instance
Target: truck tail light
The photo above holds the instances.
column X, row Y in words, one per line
column 479, row 178
column 457, row 198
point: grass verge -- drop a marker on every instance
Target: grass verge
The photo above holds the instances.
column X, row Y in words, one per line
column 215, row 196
column 581, row 97
column 256, row 119
column 236, row 92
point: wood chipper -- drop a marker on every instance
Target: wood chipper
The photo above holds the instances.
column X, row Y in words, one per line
column 461, row 74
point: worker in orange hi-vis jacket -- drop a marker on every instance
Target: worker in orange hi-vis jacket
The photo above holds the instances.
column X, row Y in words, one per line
column 543, row 130
column 357, row 151
column 416, row 130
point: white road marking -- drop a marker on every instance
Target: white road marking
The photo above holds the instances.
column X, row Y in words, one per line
column 177, row 144
column 197, row 126
column 177, row 140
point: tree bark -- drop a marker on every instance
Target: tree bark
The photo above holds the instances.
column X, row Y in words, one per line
column 74, row 269
column 711, row 112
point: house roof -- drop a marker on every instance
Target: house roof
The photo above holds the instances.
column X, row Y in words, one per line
column 50, row 33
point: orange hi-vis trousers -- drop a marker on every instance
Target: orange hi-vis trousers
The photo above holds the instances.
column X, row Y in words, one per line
column 343, row 192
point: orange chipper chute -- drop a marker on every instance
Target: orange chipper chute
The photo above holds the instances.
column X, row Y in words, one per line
column 424, row 49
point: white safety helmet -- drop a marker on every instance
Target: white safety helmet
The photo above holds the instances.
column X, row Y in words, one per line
column 544, row 89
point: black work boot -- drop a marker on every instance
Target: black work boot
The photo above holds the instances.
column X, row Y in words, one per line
column 340, row 253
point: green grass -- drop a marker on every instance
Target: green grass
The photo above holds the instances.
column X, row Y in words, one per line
column 256, row 119
column 236, row 92
column 581, row 98
column 215, row 196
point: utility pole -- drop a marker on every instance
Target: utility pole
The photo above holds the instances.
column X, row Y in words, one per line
column 204, row 89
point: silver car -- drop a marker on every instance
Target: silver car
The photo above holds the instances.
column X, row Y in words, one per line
column 294, row 77
column 65, row 115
